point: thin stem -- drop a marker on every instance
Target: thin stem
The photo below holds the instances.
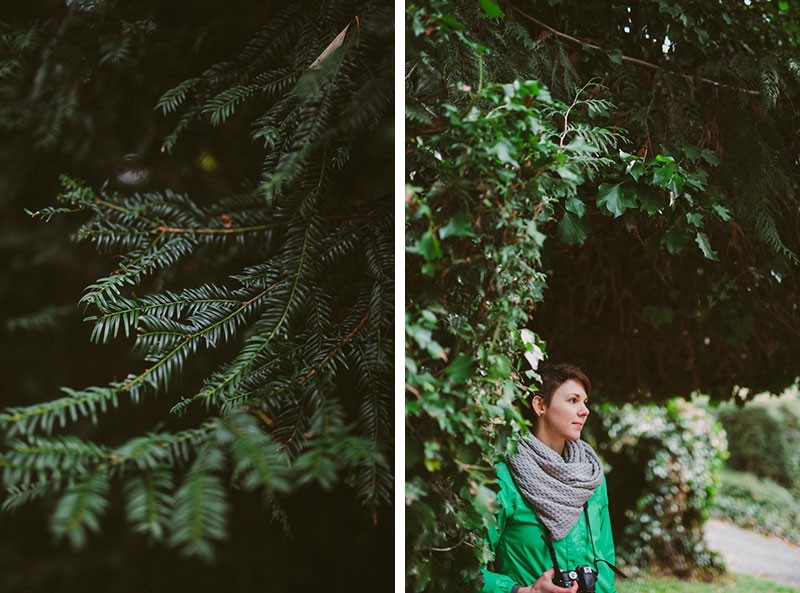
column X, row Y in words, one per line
column 163, row 229
column 636, row 61
column 333, row 352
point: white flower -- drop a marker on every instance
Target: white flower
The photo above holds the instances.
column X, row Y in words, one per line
column 533, row 353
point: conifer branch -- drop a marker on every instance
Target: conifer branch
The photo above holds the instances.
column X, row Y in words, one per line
column 165, row 230
column 338, row 346
column 630, row 59
column 309, row 295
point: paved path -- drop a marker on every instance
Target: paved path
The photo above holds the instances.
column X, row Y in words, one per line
column 746, row 552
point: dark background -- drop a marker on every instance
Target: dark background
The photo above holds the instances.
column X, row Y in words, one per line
column 332, row 541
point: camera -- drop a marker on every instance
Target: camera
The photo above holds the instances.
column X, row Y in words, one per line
column 584, row 575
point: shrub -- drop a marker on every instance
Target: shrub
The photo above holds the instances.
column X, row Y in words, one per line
column 758, row 504
column 665, row 465
column 767, row 438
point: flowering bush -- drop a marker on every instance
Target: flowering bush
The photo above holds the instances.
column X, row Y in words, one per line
column 665, row 470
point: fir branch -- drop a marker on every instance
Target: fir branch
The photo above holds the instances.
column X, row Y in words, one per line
column 149, row 502
column 44, row 416
column 79, row 510
column 259, row 462
column 165, row 230
column 270, row 324
column 19, row 495
column 636, row 61
column 174, row 97
column 336, row 349
column 200, row 507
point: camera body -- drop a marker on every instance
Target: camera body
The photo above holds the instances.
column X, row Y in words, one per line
column 584, row 575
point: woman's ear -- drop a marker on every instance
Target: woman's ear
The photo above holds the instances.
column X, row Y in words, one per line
column 537, row 403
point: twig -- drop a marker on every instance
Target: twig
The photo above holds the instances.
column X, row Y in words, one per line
column 163, row 229
column 453, row 547
column 636, row 61
column 333, row 352
column 468, row 466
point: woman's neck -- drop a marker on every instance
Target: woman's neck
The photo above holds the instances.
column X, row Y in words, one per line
column 556, row 443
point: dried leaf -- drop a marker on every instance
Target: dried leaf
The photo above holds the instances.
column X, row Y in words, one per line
column 332, row 47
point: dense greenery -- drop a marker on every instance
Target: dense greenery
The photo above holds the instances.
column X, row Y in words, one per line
column 758, row 504
column 767, row 438
column 618, row 177
column 250, row 222
column 665, row 465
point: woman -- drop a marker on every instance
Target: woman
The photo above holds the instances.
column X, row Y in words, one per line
column 553, row 490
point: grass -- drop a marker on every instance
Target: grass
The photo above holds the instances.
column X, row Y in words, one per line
column 758, row 504
column 733, row 583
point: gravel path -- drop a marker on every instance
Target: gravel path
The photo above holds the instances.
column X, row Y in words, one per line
column 746, row 552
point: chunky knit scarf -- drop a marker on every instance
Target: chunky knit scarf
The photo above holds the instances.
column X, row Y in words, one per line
column 556, row 487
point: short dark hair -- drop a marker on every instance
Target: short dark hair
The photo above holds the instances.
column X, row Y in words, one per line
column 553, row 376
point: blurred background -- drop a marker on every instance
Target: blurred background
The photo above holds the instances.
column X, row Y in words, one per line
column 82, row 103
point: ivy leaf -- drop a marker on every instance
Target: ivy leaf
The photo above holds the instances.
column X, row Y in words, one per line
column 460, row 369
column 692, row 151
column 572, row 230
column 650, row 203
column 576, row 206
column 491, row 9
column 663, row 175
column 567, row 172
column 429, row 246
column 702, row 241
column 722, row 212
column 534, row 233
column 695, row 219
column 501, row 149
column 675, row 239
column 499, row 366
column 459, row 225
column 454, row 23
column 614, row 199
column 635, row 169
column 615, row 56
column 709, row 157
column 484, row 499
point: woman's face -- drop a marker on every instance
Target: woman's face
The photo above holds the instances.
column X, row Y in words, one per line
column 566, row 413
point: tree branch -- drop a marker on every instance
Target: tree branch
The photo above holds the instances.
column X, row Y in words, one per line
column 636, row 61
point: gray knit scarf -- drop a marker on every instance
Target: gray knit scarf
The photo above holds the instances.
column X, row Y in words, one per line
column 556, row 487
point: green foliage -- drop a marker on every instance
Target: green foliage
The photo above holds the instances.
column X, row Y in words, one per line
column 488, row 169
column 263, row 315
column 147, row 502
column 758, row 504
column 765, row 438
column 200, row 505
column 735, row 583
column 711, row 116
column 517, row 189
column 79, row 510
column 670, row 458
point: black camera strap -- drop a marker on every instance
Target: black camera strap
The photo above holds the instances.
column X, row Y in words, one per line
column 548, row 539
column 616, row 570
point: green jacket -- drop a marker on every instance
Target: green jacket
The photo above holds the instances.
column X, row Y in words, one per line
column 520, row 554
